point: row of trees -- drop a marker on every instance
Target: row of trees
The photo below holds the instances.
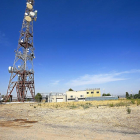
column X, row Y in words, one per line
column 130, row 96
column 108, row 94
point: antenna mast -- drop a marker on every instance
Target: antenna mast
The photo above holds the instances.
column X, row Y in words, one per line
column 22, row 71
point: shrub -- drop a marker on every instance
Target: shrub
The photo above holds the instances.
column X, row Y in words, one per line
column 128, row 110
column 34, row 106
column 132, row 101
column 38, row 97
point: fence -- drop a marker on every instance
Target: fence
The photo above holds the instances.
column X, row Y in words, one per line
column 101, row 98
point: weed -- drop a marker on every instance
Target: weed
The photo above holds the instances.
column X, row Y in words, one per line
column 121, row 104
column 133, row 101
column 73, row 106
column 56, row 106
column 85, row 106
column 128, row 110
column 111, row 105
column 34, row 106
column 89, row 104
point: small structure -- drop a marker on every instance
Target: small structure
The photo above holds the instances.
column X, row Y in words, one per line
column 55, row 97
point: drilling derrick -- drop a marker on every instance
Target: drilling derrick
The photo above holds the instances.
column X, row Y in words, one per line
column 22, row 71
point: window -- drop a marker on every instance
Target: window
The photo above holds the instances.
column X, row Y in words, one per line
column 97, row 92
column 92, row 92
column 81, row 95
column 71, row 96
column 87, row 92
column 81, row 98
column 71, row 99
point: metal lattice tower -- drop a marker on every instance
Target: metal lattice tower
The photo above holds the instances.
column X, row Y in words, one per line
column 22, row 71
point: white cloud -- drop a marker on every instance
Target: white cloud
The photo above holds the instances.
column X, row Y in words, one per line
column 55, row 82
column 3, row 40
column 100, row 78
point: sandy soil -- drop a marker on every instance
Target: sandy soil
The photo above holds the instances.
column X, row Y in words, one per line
column 24, row 121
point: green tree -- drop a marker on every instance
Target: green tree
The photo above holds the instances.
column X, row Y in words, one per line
column 103, row 94
column 108, row 94
column 127, row 95
column 131, row 96
column 38, row 97
column 137, row 96
column 70, row 89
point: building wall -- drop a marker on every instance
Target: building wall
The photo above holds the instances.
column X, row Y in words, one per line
column 76, row 95
column 93, row 93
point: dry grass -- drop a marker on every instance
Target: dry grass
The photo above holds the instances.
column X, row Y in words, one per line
column 88, row 104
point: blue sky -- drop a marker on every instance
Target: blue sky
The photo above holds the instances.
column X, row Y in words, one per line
column 78, row 44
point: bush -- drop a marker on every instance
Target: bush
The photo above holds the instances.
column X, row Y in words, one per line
column 128, row 110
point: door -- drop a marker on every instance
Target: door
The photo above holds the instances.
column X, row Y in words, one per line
column 59, row 99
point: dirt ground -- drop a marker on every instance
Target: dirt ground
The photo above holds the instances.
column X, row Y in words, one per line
column 32, row 122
